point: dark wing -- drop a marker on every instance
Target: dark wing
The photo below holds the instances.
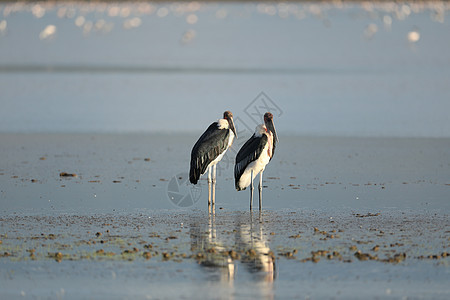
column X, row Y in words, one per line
column 249, row 152
column 210, row 145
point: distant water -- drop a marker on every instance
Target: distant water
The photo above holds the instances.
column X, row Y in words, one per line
column 356, row 69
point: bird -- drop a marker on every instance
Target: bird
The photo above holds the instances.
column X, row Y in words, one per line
column 210, row 149
column 254, row 156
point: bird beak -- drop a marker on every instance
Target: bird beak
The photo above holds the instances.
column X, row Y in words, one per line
column 271, row 127
column 231, row 123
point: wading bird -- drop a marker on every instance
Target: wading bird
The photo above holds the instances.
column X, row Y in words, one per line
column 254, row 155
column 209, row 150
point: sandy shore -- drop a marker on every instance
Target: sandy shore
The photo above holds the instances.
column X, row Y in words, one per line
column 346, row 218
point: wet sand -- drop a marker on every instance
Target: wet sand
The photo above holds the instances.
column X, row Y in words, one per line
column 342, row 217
column 277, row 254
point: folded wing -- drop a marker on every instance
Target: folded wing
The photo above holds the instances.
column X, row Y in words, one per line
column 209, row 146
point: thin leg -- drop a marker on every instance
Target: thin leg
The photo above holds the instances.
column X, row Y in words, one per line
column 260, row 190
column 212, row 210
column 214, row 186
column 209, row 187
column 251, row 190
column 212, row 225
column 210, row 229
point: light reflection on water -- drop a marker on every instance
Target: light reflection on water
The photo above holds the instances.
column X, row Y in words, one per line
column 103, row 17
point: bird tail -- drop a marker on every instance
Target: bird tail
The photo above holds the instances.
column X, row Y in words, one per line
column 238, row 188
column 236, row 183
column 194, row 173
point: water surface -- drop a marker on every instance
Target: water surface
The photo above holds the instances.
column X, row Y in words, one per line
column 332, row 69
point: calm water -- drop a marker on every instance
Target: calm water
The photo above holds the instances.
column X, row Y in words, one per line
column 353, row 69
column 334, row 174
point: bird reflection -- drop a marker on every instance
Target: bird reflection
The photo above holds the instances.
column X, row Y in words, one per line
column 210, row 250
column 257, row 257
column 243, row 251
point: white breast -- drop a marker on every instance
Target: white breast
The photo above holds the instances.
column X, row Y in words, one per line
column 230, row 138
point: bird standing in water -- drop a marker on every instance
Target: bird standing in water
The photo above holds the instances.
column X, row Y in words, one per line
column 209, row 150
column 254, row 155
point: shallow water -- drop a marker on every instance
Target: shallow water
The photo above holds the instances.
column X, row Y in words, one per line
column 107, row 255
column 325, row 199
column 133, row 171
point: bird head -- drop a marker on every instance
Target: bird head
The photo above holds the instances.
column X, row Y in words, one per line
column 268, row 121
column 229, row 117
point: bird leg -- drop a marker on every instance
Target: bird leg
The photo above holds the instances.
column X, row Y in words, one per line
column 209, row 187
column 214, row 186
column 251, row 190
column 260, row 190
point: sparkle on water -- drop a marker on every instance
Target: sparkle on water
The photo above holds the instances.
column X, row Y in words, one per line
column 101, row 16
